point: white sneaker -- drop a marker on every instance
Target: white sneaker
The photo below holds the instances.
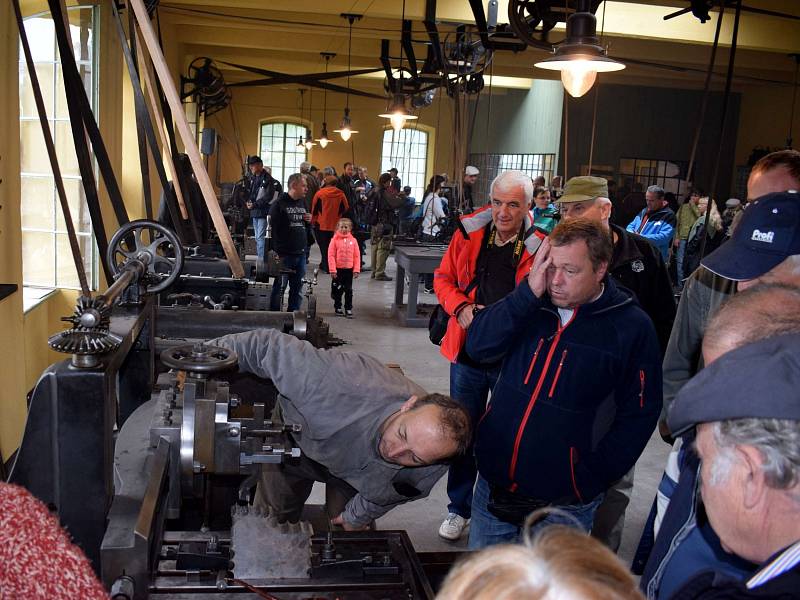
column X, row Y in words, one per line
column 452, row 527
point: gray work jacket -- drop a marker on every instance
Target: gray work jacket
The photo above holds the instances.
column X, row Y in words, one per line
column 340, row 399
column 703, row 295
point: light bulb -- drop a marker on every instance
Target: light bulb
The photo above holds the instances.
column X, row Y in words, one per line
column 309, row 144
column 345, row 133
column 398, row 119
column 323, row 141
column 578, row 77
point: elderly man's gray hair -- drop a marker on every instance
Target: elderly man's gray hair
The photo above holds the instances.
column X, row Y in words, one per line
column 329, row 171
column 777, row 440
column 305, row 167
column 656, row 189
column 508, row 180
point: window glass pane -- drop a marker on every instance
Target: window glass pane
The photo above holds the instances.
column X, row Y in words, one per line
column 38, row 251
column 33, row 153
column 65, row 264
column 36, row 202
column 78, row 208
column 65, row 150
column 27, row 104
column 41, row 38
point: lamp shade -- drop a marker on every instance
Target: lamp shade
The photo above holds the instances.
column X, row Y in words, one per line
column 397, row 113
column 323, row 139
column 580, row 58
column 345, row 129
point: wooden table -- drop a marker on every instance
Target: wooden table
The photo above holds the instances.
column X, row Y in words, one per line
column 414, row 260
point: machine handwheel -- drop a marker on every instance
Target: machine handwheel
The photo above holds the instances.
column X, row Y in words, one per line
column 154, row 245
column 199, row 358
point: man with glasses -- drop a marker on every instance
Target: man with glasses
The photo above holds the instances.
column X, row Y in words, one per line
column 636, row 263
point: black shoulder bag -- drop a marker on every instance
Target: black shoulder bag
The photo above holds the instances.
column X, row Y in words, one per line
column 437, row 325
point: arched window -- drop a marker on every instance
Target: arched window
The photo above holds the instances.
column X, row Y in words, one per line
column 407, row 151
column 278, row 148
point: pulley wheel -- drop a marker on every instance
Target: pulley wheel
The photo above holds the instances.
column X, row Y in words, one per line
column 154, row 245
column 199, row 358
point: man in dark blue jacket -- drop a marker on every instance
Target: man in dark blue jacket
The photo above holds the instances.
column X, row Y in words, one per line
column 579, row 391
column 263, row 189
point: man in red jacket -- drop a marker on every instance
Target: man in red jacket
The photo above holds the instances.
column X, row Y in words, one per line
column 490, row 253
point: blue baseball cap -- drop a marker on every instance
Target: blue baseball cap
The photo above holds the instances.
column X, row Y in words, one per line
column 768, row 233
column 758, row 380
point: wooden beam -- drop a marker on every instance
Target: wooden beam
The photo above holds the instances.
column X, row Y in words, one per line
column 189, row 143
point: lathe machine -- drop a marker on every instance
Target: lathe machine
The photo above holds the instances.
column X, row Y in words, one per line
column 148, row 445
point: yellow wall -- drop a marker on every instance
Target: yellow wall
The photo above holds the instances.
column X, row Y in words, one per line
column 12, row 338
column 254, row 105
column 764, row 120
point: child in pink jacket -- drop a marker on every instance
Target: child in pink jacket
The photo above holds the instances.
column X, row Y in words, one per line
column 344, row 262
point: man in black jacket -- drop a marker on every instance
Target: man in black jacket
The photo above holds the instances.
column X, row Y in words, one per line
column 262, row 190
column 636, row 265
column 289, row 223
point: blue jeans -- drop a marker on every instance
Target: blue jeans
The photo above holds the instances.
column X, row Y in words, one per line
column 470, row 386
column 679, row 254
column 260, row 228
column 487, row 530
column 296, row 262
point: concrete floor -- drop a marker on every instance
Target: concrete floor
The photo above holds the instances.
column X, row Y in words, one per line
column 375, row 331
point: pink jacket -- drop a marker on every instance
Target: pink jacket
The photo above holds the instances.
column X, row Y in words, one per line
column 343, row 253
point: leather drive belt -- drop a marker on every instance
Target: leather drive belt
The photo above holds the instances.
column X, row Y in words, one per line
column 83, row 124
column 145, row 125
column 51, row 152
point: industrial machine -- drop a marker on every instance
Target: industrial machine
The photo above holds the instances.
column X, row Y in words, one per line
column 148, row 446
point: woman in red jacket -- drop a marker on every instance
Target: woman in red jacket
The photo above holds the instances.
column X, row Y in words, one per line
column 490, row 253
column 327, row 207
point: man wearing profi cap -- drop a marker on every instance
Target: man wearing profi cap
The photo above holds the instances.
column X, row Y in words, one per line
column 767, row 235
column 470, row 177
column 637, row 265
column 747, row 440
column 704, row 291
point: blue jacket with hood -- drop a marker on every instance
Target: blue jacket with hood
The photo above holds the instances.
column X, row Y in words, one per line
column 576, row 403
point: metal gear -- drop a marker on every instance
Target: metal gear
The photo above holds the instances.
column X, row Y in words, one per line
column 90, row 313
column 84, row 341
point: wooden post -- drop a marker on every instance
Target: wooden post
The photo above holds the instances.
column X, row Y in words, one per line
column 189, row 143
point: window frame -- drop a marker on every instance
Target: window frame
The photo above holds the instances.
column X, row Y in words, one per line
column 656, row 174
column 92, row 268
column 402, row 163
column 491, row 164
column 285, row 122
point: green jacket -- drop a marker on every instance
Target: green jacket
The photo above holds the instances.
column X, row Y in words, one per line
column 687, row 215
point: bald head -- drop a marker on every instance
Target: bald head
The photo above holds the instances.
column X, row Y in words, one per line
column 775, row 172
column 757, row 313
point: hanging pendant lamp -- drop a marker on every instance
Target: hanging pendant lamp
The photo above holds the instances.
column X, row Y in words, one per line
column 580, row 57
column 310, row 143
column 346, row 130
column 397, row 113
column 324, row 140
column 300, row 143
